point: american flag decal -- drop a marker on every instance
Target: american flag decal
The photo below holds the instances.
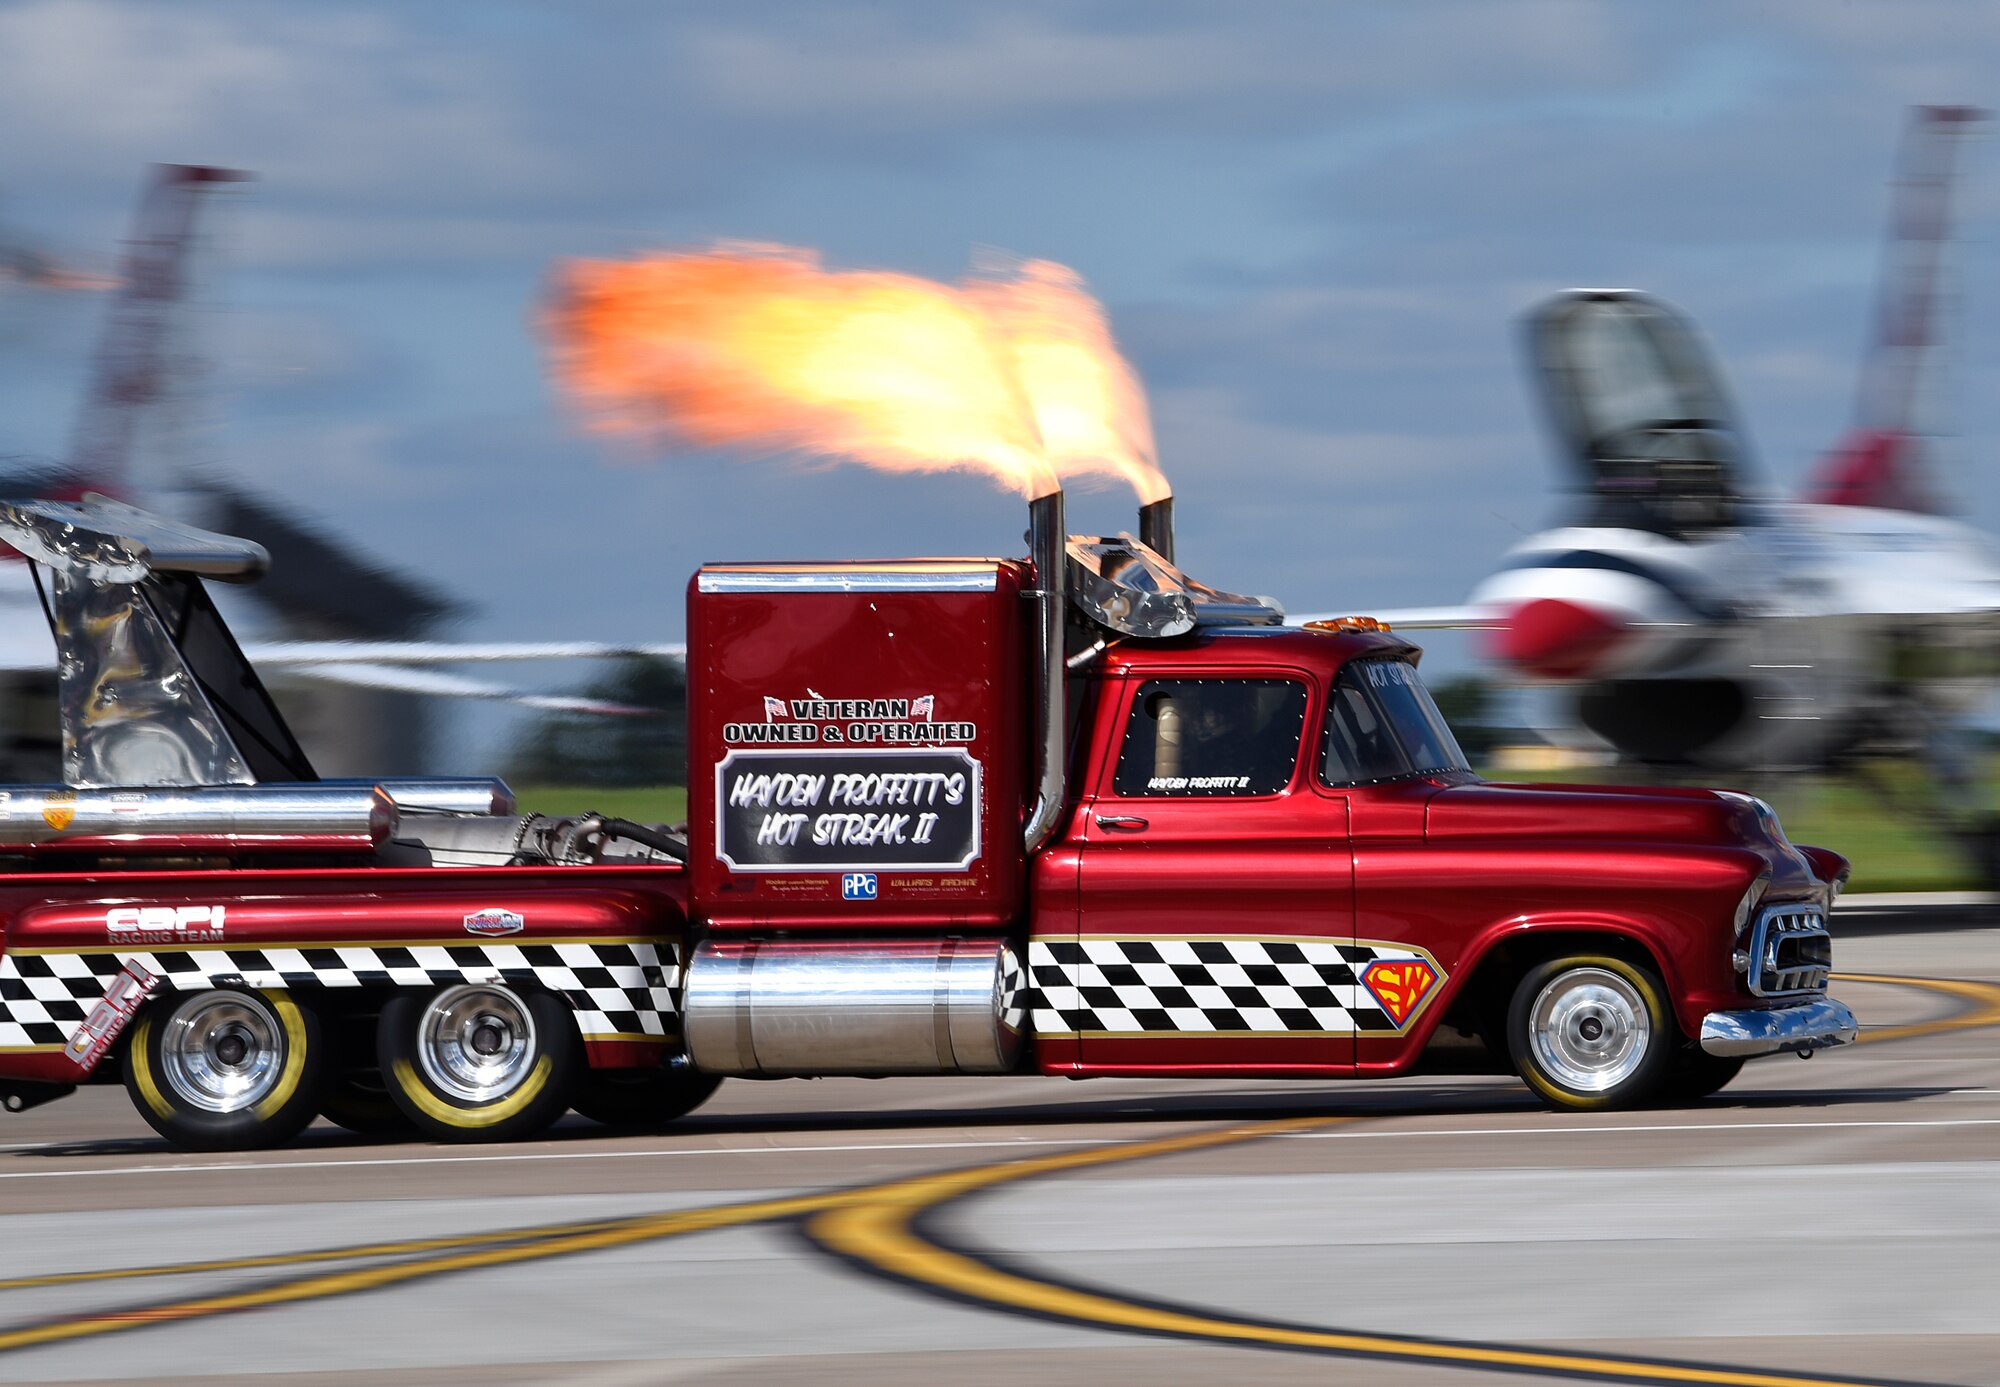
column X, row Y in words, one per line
column 774, row 708
column 922, row 707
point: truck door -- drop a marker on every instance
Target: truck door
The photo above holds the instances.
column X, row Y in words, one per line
column 1215, row 890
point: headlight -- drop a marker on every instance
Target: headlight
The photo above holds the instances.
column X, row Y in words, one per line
column 1747, row 907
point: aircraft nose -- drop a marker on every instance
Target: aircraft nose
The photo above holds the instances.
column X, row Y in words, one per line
column 1554, row 639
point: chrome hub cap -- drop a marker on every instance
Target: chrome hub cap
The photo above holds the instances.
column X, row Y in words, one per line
column 222, row 1052
column 1589, row 1029
column 477, row 1043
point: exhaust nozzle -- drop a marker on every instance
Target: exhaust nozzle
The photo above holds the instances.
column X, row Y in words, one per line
column 1156, row 527
column 1047, row 545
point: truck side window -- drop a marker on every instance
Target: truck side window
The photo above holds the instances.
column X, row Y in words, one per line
column 1382, row 724
column 1359, row 746
column 1192, row 737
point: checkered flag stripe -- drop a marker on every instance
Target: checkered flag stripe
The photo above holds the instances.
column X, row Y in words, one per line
column 1180, row 986
column 615, row 989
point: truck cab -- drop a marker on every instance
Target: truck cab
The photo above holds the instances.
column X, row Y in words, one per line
column 1281, row 863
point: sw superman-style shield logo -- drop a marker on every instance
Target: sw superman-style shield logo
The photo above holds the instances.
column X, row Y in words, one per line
column 1400, row 985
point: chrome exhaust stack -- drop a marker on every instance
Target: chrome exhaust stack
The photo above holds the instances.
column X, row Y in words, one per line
column 1156, row 527
column 1047, row 545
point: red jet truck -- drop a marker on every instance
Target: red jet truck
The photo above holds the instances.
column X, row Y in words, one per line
column 1074, row 814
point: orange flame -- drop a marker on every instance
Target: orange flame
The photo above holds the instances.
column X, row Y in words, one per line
column 1089, row 405
column 761, row 347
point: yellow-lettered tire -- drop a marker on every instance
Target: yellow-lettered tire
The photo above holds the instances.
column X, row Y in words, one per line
column 1592, row 1032
column 479, row 1061
column 230, row 1069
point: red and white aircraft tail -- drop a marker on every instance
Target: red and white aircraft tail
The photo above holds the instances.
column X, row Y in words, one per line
column 1880, row 463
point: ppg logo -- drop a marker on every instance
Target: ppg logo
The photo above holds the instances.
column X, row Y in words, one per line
column 858, row 886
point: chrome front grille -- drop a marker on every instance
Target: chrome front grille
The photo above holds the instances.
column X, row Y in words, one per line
column 1790, row 951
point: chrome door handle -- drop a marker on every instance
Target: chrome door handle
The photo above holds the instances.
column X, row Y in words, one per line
column 1125, row 821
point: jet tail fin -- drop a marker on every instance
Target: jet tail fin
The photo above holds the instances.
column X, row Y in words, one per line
column 1881, row 460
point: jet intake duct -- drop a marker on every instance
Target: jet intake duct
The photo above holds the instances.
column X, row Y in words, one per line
column 774, row 1008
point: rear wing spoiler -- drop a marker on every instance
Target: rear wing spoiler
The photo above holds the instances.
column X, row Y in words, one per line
column 102, row 540
column 151, row 687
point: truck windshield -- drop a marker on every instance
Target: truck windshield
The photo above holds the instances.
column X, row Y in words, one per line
column 1382, row 724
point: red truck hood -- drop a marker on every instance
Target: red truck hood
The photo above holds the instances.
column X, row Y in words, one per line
column 1629, row 812
column 1595, row 811
column 1557, row 813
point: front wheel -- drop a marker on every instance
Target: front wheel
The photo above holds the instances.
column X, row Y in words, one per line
column 1592, row 1032
column 478, row 1061
column 225, row 1070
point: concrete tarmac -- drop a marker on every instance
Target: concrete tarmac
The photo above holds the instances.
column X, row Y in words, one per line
column 1831, row 1220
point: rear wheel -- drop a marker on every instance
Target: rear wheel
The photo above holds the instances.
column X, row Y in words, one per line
column 642, row 1097
column 353, row 1094
column 1592, row 1032
column 478, row 1061
column 225, row 1070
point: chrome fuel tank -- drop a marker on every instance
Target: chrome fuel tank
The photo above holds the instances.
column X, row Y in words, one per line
column 787, row 1007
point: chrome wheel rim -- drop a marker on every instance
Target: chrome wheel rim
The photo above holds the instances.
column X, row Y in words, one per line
column 1590, row 1029
column 222, row 1052
column 476, row 1043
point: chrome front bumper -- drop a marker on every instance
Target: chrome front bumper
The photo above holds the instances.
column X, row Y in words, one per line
column 1807, row 1026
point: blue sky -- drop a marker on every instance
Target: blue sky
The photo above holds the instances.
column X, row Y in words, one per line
column 1315, row 226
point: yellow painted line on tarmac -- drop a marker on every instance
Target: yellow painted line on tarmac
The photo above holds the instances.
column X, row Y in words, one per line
column 404, row 1247
column 562, row 1242
column 877, row 1233
column 876, row 1230
column 530, row 1244
column 1982, row 1009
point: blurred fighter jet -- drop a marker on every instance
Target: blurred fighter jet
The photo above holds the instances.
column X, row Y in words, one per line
column 133, row 381
column 27, row 265
column 1701, row 624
